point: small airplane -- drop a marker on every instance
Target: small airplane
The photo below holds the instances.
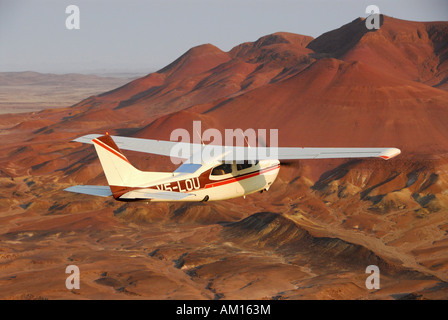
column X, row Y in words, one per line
column 229, row 172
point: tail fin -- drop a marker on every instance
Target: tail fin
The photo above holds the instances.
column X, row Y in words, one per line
column 116, row 166
column 120, row 173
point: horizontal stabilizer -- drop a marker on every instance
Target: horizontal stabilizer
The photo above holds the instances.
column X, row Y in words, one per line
column 101, row 191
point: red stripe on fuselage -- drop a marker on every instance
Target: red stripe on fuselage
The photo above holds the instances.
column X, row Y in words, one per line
column 247, row 176
column 120, row 190
column 105, row 146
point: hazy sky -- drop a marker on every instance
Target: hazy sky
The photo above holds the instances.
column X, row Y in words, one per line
column 144, row 36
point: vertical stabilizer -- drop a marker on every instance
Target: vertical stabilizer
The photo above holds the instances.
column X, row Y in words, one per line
column 117, row 168
column 121, row 175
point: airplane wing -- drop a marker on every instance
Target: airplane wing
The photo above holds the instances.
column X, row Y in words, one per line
column 197, row 153
column 326, row 153
column 220, row 153
column 104, row 191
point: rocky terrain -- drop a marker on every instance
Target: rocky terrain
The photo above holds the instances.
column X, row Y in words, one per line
column 311, row 236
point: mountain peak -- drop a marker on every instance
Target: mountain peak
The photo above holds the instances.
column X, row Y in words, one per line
column 196, row 60
column 339, row 41
column 283, row 37
column 286, row 48
column 204, row 49
column 412, row 50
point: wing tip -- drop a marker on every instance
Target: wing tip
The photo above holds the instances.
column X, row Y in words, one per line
column 87, row 138
column 389, row 153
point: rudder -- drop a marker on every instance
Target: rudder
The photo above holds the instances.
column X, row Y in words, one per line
column 117, row 168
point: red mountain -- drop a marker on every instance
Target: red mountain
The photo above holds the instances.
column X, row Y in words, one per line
column 413, row 50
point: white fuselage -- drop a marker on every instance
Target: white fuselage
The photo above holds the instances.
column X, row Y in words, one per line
column 207, row 185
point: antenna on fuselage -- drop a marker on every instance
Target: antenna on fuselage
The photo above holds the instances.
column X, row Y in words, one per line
column 245, row 139
column 200, row 138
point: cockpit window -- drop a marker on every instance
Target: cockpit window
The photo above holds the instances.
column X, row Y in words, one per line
column 222, row 169
column 246, row 164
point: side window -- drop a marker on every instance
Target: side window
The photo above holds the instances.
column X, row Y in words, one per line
column 246, row 164
column 222, row 169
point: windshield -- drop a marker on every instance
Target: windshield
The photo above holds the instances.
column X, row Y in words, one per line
column 188, row 168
